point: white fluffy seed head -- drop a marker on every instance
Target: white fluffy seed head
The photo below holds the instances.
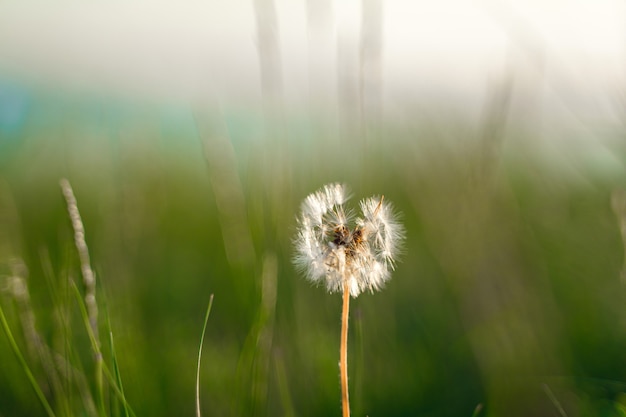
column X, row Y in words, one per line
column 385, row 230
column 329, row 251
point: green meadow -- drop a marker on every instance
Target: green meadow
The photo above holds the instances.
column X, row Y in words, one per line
column 508, row 300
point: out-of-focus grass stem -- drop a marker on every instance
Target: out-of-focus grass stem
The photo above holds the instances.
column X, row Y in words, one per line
column 95, row 345
column 283, row 386
column 553, row 399
column 206, row 320
column 35, row 344
column 89, row 280
column 27, row 371
column 116, row 371
column 227, row 188
column 103, row 370
column 618, row 204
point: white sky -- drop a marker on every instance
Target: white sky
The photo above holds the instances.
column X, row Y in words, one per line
column 432, row 50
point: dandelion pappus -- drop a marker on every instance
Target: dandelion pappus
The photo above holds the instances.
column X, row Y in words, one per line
column 329, row 251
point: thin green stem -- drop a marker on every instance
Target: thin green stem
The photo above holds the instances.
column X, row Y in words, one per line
column 95, row 345
column 206, row 319
column 117, row 390
column 116, row 372
column 103, row 370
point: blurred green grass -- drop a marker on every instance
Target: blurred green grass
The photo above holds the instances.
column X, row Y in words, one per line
column 508, row 293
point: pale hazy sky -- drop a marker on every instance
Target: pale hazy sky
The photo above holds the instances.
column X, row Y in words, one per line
column 432, row 50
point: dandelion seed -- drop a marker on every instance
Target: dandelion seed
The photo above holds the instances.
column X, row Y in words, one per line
column 335, row 248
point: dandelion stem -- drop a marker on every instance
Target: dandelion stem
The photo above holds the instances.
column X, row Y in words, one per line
column 343, row 354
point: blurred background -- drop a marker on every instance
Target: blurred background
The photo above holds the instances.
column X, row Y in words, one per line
column 191, row 131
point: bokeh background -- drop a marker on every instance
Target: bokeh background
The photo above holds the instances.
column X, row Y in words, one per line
column 190, row 133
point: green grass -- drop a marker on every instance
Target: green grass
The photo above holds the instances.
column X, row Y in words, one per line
column 510, row 280
column 206, row 319
column 29, row 374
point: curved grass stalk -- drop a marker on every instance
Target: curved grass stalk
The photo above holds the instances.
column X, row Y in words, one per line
column 89, row 280
column 206, row 319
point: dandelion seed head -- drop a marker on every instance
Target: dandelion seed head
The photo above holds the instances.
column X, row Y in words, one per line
column 336, row 249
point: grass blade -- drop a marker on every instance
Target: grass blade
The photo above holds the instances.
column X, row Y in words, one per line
column 206, row 319
column 117, row 375
column 103, row 369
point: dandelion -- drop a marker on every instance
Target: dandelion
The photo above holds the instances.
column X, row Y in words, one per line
column 330, row 252
column 349, row 254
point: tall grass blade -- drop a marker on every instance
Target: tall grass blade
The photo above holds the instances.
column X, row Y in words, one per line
column 117, row 390
column 95, row 345
column 89, row 281
column 116, row 371
column 116, row 379
column 206, row 319
column 104, row 370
